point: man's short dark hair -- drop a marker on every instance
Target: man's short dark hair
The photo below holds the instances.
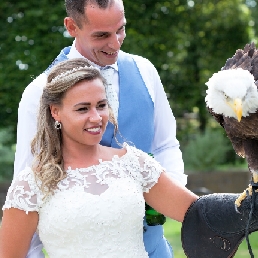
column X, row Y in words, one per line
column 76, row 8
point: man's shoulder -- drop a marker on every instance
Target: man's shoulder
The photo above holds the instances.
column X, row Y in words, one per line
column 39, row 81
column 142, row 62
column 36, row 85
column 137, row 58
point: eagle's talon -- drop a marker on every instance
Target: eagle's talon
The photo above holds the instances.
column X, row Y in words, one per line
column 242, row 196
column 247, row 192
column 236, row 209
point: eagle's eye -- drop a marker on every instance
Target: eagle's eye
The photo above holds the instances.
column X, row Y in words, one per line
column 225, row 96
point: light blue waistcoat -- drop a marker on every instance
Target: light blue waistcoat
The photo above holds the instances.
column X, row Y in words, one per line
column 136, row 125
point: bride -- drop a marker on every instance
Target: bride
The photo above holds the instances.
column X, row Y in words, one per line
column 84, row 199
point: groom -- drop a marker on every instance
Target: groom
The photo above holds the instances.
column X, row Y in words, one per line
column 143, row 112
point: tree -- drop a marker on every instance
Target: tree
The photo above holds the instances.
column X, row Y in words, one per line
column 187, row 41
column 252, row 5
column 32, row 35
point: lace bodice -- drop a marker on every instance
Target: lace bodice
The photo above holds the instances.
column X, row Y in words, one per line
column 95, row 212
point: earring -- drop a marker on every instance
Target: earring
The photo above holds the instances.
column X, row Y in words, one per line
column 58, row 125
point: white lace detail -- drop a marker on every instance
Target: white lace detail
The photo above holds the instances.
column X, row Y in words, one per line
column 24, row 193
column 96, row 212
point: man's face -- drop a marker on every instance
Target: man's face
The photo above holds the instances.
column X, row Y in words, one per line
column 101, row 36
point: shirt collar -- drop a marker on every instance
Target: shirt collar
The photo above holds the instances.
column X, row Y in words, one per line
column 74, row 53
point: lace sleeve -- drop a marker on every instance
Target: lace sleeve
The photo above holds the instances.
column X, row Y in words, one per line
column 149, row 168
column 23, row 194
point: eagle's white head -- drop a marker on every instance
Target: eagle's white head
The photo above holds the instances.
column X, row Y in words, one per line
column 232, row 93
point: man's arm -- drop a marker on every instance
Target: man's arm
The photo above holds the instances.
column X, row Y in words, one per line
column 27, row 122
column 26, row 129
column 165, row 146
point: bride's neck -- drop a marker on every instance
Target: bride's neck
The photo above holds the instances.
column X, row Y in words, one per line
column 81, row 157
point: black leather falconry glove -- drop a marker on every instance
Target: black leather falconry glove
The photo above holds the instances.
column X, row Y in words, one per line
column 212, row 227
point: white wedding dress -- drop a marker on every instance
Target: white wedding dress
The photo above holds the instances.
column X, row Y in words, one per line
column 96, row 212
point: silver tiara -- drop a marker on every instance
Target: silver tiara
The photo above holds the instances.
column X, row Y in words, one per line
column 64, row 74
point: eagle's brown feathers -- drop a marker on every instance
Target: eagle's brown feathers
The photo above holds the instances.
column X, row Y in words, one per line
column 244, row 134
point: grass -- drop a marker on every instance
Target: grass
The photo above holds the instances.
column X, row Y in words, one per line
column 172, row 231
column 46, row 256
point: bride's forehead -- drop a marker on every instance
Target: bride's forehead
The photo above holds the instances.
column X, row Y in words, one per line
column 89, row 86
column 86, row 91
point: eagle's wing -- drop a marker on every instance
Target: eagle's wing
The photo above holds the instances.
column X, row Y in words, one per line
column 254, row 63
column 235, row 141
column 237, row 144
column 219, row 118
column 241, row 59
column 246, row 59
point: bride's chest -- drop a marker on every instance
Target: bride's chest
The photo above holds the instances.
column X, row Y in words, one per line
column 121, row 198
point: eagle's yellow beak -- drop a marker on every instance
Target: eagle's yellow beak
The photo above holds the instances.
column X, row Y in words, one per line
column 238, row 108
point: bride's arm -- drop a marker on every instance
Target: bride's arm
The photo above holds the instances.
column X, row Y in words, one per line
column 170, row 198
column 16, row 232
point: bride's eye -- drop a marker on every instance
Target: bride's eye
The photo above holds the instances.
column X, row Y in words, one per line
column 82, row 109
column 102, row 106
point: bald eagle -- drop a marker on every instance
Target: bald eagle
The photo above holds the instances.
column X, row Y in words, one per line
column 232, row 99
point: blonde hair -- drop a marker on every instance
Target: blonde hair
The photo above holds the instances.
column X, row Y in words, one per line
column 47, row 143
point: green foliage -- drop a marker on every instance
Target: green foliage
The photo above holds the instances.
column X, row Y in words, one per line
column 206, row 151
column 187, row 41
column 6, row 155
column 30, row 38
